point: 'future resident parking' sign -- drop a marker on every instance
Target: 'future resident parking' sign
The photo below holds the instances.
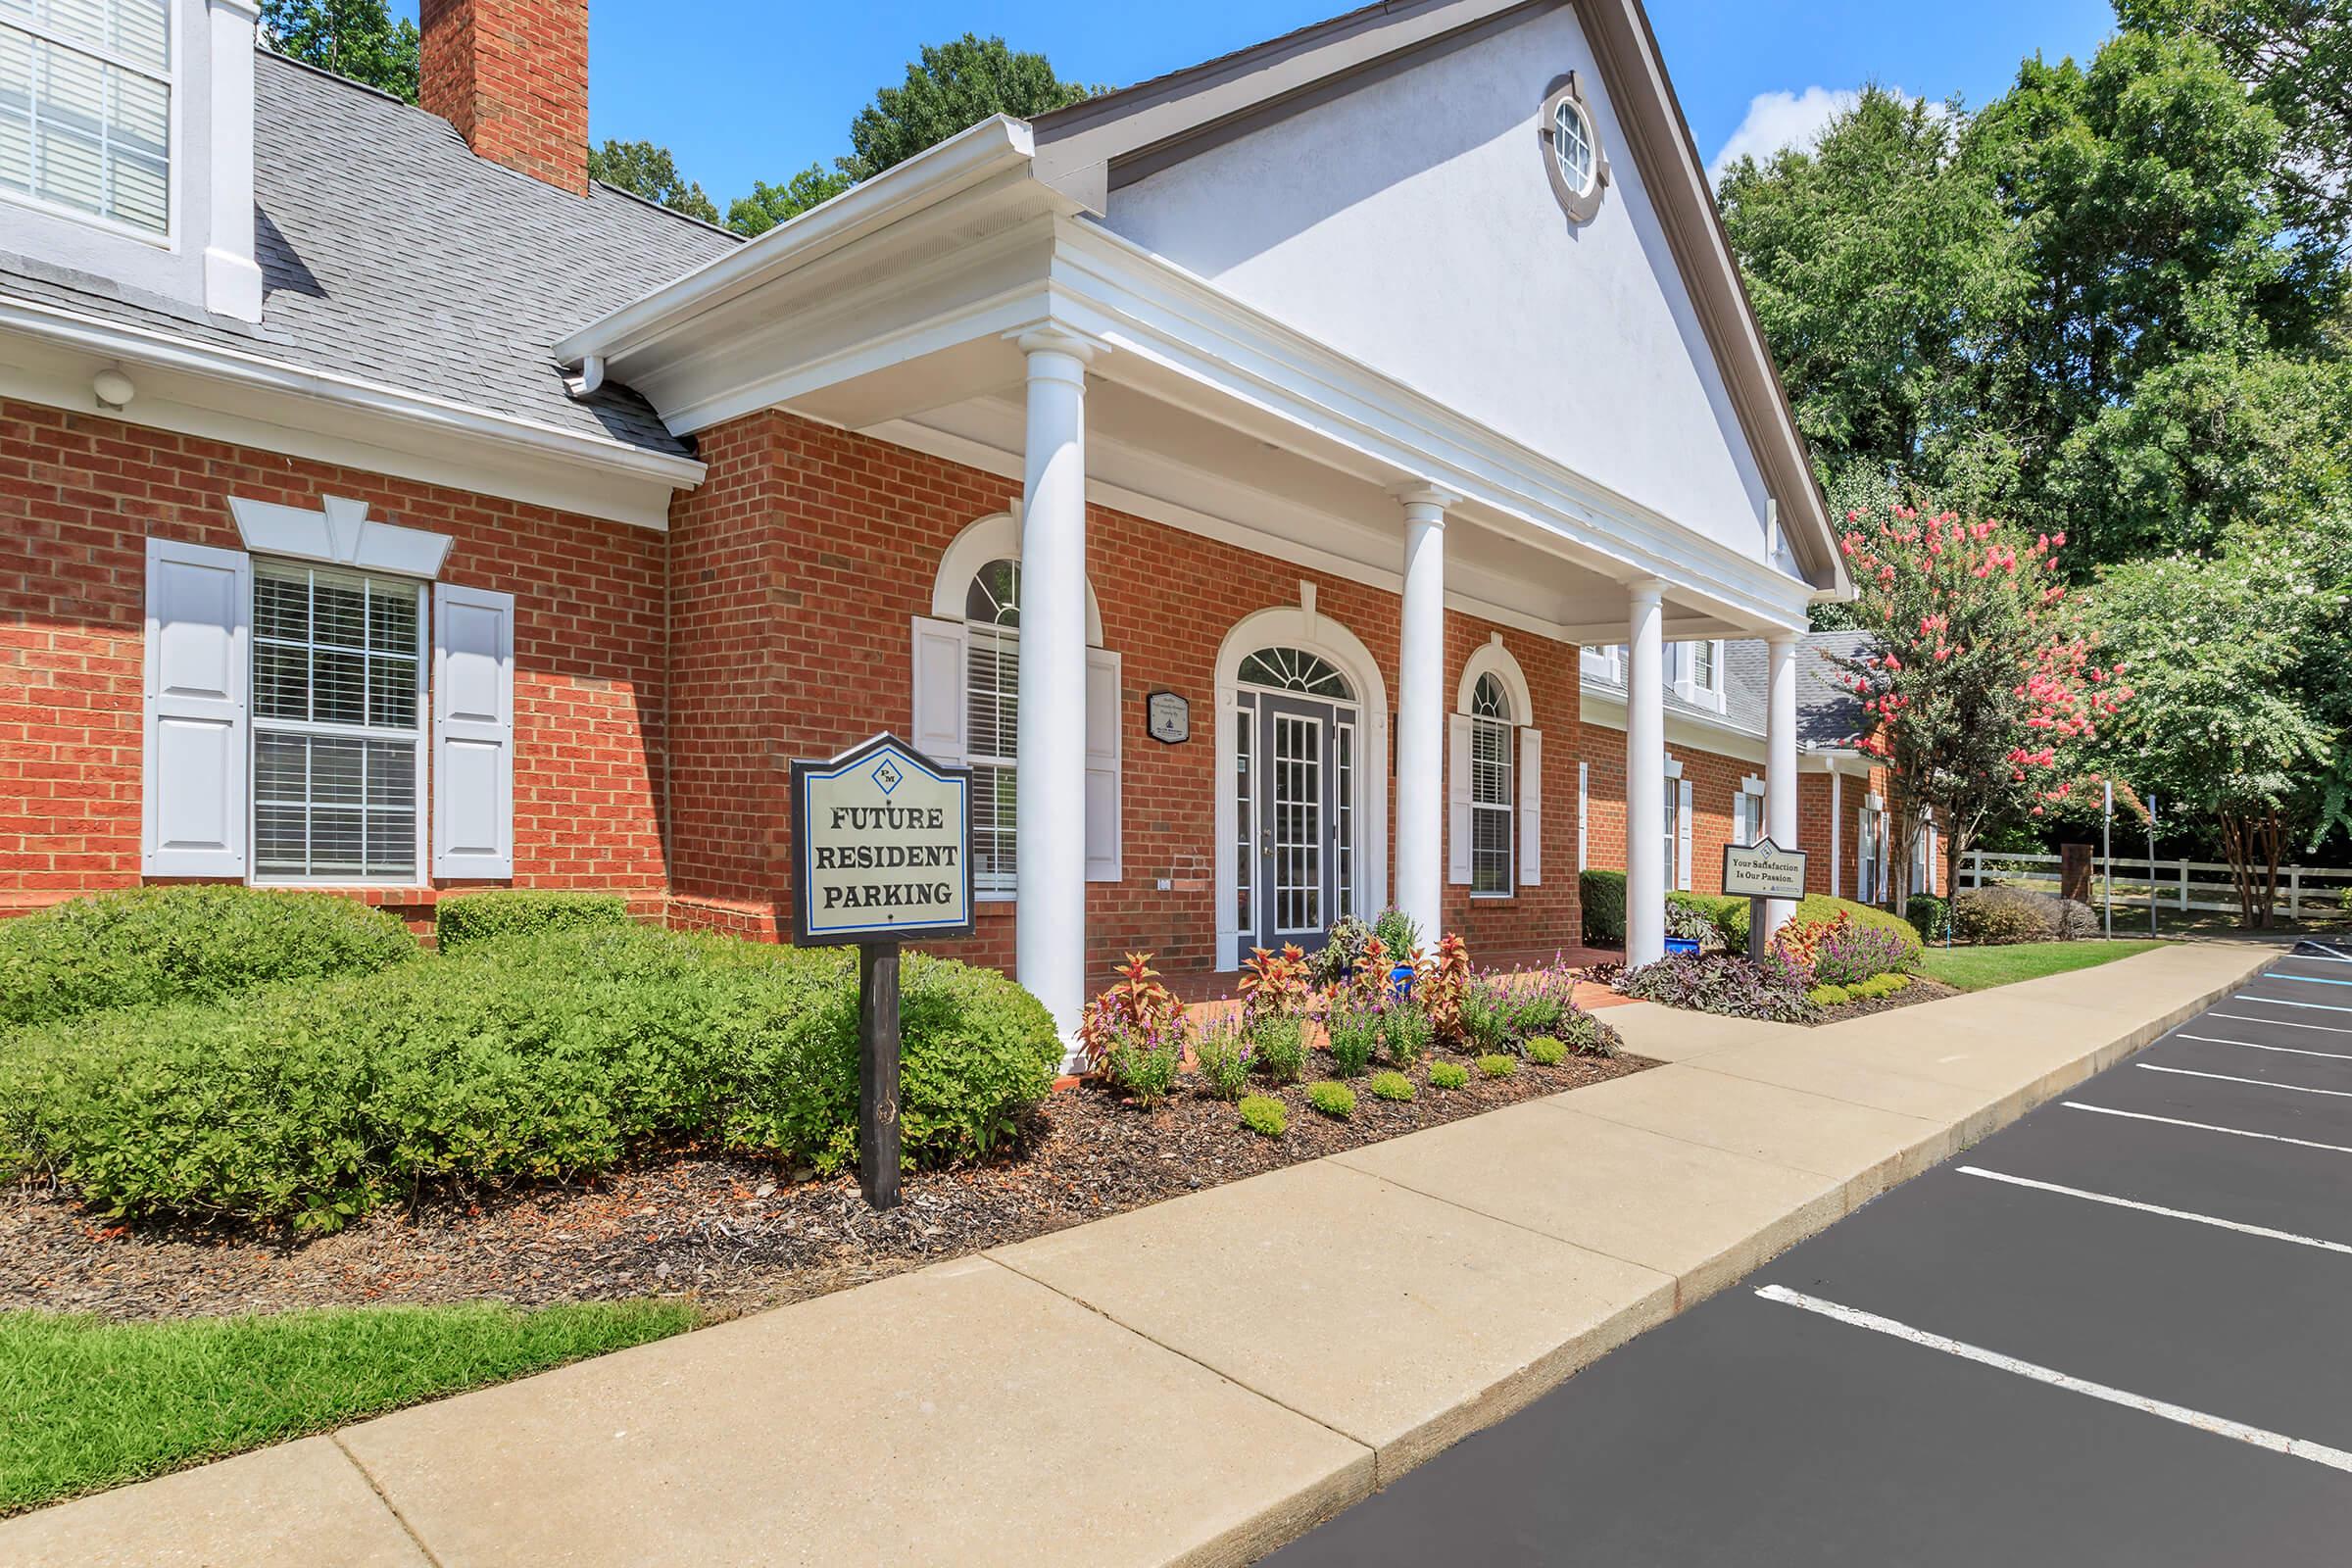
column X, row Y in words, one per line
column 882, row 840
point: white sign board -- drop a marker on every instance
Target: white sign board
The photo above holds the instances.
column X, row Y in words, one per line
column 881, row 847
column 1763, row 870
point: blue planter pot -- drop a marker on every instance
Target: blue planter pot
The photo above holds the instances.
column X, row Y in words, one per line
column 1401, row 980
column 1682, row 945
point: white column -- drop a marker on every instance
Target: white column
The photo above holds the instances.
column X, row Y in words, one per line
column 1049, row 938
column 232, row 281
column 1421, row 713
column 1645, row 775
column 1836, row 833
column 1779, row 759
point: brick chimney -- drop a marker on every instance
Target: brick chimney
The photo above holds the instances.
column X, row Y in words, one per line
column 512, row 76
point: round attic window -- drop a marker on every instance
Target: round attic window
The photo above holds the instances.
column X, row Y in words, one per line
column 1572, row 154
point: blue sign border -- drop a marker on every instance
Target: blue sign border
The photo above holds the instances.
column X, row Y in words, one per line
column 805, row 772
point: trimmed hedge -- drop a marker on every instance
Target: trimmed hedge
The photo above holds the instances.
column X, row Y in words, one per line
column 1928, row 915
column 1732, row 920
column 197, row 942
column 557, row 1056
column 1603, row 897
column 460, row 922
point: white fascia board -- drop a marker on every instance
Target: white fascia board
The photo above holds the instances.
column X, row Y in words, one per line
column 1288, row 549
column 398, row 418
column 1141, row 303
column 934, row 175
column 1603, row 708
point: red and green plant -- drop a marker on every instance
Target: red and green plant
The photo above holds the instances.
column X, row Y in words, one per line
column 1133, row 1034
column 1275, row 985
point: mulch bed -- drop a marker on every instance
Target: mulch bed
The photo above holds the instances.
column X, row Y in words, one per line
column 734, row 1235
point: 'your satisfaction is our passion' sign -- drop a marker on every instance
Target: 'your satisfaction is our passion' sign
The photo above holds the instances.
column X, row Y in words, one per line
column 882, row 842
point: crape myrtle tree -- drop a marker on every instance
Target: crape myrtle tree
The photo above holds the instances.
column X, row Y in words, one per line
column 2244, row 673
column 1982, row 688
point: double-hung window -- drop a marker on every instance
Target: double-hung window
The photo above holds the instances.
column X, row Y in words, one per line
column 338, row 725
column 993, row 720
column 1490, row 789
column 85, row 108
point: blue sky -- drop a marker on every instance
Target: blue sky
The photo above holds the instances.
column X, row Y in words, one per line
column 752, row 89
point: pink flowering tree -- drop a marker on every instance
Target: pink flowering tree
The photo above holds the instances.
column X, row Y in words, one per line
column 1984, row 692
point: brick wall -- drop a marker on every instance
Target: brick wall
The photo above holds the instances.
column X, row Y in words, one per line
column 512, row 75
column 80, row 495
column 797, row 568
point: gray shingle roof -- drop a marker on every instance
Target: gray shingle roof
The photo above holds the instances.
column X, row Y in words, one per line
column 391, row 253
column 1827, row 714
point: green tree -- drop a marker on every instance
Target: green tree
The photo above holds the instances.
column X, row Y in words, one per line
column 1872, row 259
column 354, row 38
column 769, row 204
column 951, row 88
column 2141, row 199
column 2296, row 57
column 644, row 169
column 2243, row 692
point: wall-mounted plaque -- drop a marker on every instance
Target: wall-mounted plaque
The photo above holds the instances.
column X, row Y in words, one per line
column 1170, row 718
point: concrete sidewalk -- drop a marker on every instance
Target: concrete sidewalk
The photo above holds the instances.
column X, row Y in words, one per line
column 1192, row 1383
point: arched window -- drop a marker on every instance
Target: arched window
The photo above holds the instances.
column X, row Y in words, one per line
column 991, row 688
column 1491, row 791
column 1298, row 670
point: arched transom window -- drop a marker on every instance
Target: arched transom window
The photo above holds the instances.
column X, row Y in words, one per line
column 992, row 686
column 1298, row 670
column 1491, row 793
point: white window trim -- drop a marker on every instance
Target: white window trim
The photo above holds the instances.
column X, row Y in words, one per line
column 175, row 119
column 1491, row 657
column 1687, row 687
column 1752, row 788
column 339, row 532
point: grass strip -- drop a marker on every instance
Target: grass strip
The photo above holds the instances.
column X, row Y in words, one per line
column 1980, row 968
column 86, row 1403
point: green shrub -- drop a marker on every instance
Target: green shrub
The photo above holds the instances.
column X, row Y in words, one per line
column 146, row 946
column 1407, row 1033
column 1870, row 990
column 1884, row 985
column 1449, row 1075
column 1336, row 1101
column 1498, row 1065
column 1927, row 913
column 1390, row 1086
column 1263, row 1115
column 1353, row 1034
column 462, row 921
column 1996, row 917
column 1278, row 1048
column 554, row 1055
column 1819, row 907
column 1725, row 916
column 1146, row 1073
column 1602, row 893
column 1545, row 1052
column 1829, row 996
column 1398, row 932
column 1222, row 1053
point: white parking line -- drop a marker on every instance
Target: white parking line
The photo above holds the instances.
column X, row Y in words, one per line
column 2306, row 979
column 2205, row 1126
column 2216, row 1040
column 2157, row 1208
column 2282, row 1001
column 2219, row 1426
column 2282, row 1023
column 2259, row 1083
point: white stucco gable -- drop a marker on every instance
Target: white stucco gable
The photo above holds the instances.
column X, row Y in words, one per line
column 1409, row 221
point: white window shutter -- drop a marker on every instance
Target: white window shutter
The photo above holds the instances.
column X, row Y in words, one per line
column 1583, row 795
column 1457, row 798
column 1531, row 807
column 940, row 653
column 474, row 732
column 1102, row 834
column 199, row 665
column 1682, row 834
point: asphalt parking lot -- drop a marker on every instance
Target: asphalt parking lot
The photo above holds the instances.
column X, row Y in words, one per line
column 2118, row 1332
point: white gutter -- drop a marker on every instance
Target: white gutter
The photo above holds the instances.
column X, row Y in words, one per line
column 969, row 158
column 143, row 346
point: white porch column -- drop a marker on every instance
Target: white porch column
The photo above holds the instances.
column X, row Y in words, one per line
column 1836, row 832
column 1421, row 713
column 1050, row 813
column 1645, row 775
column 1779, row 759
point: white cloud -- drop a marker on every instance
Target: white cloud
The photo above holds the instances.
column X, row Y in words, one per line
column 1778, row 119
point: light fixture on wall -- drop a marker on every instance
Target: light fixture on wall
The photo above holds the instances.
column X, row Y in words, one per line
column 113, row 388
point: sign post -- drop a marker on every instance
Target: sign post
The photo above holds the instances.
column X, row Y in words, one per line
column 881, row 849
column 1761, row 872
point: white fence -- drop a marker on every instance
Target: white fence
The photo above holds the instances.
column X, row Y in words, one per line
column 2304, row 891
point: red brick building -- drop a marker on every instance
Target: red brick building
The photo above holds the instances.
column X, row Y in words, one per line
column 1228, row 470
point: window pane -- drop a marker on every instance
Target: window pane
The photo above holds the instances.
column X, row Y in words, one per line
column 81, row 131
column 326, row 806
column 139, row 31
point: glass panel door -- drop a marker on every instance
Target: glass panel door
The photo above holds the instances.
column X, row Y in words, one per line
column 1300, row 853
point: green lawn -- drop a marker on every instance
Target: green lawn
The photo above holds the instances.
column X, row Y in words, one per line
column 1978, row 969
column 85, row 1403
